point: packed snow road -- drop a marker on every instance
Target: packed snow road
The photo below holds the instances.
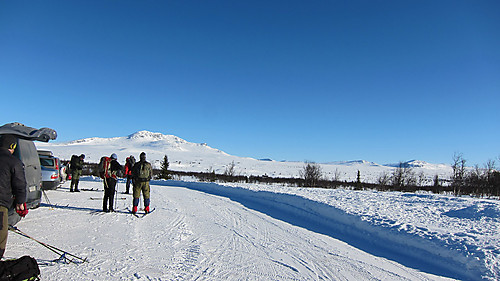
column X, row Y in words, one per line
column 191, row 235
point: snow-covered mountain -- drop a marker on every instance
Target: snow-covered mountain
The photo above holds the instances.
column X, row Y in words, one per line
column 199, row 157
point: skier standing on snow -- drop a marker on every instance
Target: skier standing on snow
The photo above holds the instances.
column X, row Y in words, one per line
column 12, row 186
column 76, row 166
column 128, row 172
column 142, row 172
column 112, row 171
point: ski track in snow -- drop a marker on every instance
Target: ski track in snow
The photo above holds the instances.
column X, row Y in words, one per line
column 194, row 234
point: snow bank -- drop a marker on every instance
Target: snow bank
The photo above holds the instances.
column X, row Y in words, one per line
column 448, row 236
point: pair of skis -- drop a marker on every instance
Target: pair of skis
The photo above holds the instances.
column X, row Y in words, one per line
column 98, row 198
column 141, row 215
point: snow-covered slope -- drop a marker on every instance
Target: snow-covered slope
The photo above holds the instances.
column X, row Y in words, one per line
column 187, row 156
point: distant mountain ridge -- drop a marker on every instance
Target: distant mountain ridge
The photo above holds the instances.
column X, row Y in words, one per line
column 353, row 162
column 199, row 157
column 411, row 163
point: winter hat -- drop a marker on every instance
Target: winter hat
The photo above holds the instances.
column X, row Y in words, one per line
column 114, row 156
column 143, row 156
column 82, row 156
column 9, row 141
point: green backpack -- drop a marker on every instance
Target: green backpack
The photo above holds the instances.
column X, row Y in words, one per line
column 143, row 170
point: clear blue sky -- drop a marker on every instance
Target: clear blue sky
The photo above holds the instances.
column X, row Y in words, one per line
column 383, row 81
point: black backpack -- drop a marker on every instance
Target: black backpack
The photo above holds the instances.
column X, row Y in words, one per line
column 74, row 161
column 21, row 269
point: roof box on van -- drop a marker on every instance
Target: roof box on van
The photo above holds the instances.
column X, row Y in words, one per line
column 28, row 133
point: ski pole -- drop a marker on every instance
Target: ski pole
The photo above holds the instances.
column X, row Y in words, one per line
column 50, row 247
column 15, row 230
column 47, row 199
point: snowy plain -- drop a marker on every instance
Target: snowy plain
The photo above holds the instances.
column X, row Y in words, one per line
column 220, row 231
column 209, row 231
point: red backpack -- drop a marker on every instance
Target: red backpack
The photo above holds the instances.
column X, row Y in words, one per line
column 105, row 168
column 128, row 167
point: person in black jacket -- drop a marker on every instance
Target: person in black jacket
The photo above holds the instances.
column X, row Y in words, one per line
column 110, row 180
column 76, row 166
column 12, row 186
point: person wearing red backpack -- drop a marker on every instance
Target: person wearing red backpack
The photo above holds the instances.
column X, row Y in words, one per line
column 111, row 170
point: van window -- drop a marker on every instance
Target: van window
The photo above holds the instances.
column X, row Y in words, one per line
column 47, row 162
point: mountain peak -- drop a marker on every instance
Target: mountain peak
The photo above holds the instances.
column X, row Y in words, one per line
column 146, row 135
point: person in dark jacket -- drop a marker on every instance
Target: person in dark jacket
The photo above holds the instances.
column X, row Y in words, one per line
column 76, row 166
column 142, row 172
column 110, row 180
column 12, row 186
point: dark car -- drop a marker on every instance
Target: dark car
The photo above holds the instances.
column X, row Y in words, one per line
column 27, row 153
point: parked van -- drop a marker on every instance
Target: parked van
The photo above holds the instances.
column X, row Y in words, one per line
column 27, row 153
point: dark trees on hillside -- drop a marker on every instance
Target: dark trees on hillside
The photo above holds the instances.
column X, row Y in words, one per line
column 477, row 181
column 458, row 177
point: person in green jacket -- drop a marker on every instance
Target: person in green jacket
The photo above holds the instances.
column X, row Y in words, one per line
column 76, row 167
column 142, row 172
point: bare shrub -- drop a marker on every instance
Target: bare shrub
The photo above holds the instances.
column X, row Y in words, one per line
column 311, row 173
